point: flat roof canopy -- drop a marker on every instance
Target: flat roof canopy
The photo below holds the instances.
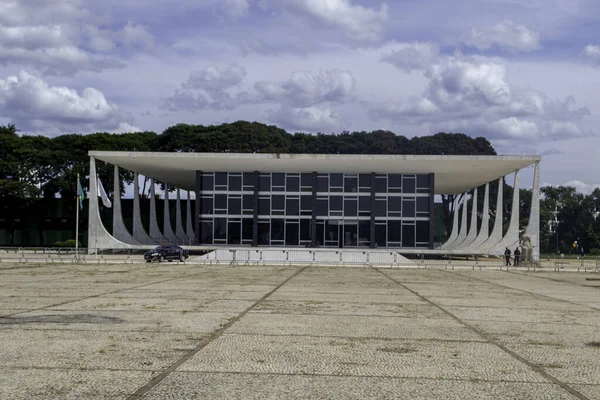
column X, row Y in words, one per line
column 453, row 174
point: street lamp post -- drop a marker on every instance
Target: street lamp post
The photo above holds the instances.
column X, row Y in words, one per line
column 553, row 224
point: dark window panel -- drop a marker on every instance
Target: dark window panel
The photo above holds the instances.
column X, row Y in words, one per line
column 364, row 231
column 422, row 204
column 364, row 180
column 380, row 184
column 306, row 179
column 221, row 212
column 408, row 185
column 350, row 235
column 206, row 233
column 336, row 180
column 408, row 235
column 221, row 178
column 380, row 207
column 206, row 205
column 395, row 180
column 394, row 204
column 278, row 189
column 306, row 203
column 235, row 183
column 264, row 183
column 408, row 208
column 292, row 236
column 235, row 206
column 264, row 229
column 322, row 207
column 350, row 208
column 249, row 178
column 331, row 230
column 278, row 202
column 364, row 203
column 248, row 201
column 320, row 233
column 292, row 207
column 208, row 182
column 277, row 229
column 323, row 183
column 264, row 206
column 380, row 235
column 423, row 181
column 350, row 185
column 394, row 230
column 279, row 179
column 305, row 229
column 335, row 203
column 292, row 184
column 220, row 228
column 247, row 227
column 423, row 231
column 234, row 234
column 220, row 202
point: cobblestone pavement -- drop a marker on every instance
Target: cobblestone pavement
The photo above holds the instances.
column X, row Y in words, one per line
column 167, row 331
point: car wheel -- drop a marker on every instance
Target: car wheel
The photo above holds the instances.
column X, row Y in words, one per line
column 148, row 261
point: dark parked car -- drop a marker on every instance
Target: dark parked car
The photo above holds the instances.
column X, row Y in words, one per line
column 169, row 253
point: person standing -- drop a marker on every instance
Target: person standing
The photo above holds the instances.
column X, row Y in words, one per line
column 517, row 256
column 507, row 256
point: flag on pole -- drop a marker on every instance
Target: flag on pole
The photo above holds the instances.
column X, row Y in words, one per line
column 80, row 194
column 103, row 195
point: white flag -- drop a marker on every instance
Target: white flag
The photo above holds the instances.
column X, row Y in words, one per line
column 102, row 194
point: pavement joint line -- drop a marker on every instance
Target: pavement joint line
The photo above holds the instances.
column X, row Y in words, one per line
column 555, row 299
column 525, row 273
column 350, row 338
column 94, row 296
column 490, row 340
column 138, row 394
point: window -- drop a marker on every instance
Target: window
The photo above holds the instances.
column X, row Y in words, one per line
column 409, row 185
column 323, row 183
column 305, row 229
column 292, row 207
column 380, row 207
column 264, row 183
column 408, row 208
column 394, row 204
column 380, row 184
column 423, row 231
column 263, row 232
column 332, row 231
column 234, row 233
column 422, row 204
column 220, row 202
column 394, row 230
column 364, row 203
column 248, row 201
column 350, row 185
column 293, row 184
column 336, row 180
column 206, row 205
column 249, row 180
column 206, row 232
column 306, row 180
column 292, row 237
column 235, row 206
column 408, row 235
column 335, row 203
column 395, row 180
column 278, row 202
column 264, row 206
column 279, row 179
column 380, row 235
column 423, row 181
column 277, row 232
column 220, row 228
column 323, row 207
column 350, row 207
column 364, row 232
column 247, row 228
column 208, row 182
column 221, row 179
column 235, row 183
column 306, row 203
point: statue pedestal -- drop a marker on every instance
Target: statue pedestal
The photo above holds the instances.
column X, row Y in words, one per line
column 527, row 254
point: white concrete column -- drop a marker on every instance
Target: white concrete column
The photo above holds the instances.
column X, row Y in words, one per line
column 98, row 236
column 155, row 232
column 454, row 233
column 533, row 226
column 189, row 224
column 167, row 228
column 484, row 231
column 511, row 239
column 120, row 232
column 139, row 233
column 462, row 232
column 497, row 230
column 472, row 235
column 179, row 232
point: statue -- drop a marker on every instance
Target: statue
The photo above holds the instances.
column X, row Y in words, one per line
column 525, row 243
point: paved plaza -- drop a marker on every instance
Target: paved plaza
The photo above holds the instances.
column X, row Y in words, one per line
column 184, row 331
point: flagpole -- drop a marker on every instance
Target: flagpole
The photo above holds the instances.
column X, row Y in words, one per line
column 77, row 220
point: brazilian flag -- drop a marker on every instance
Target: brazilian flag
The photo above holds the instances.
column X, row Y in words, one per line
column 80, row 194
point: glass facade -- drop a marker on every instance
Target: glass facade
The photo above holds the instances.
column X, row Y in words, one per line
column 315, row 209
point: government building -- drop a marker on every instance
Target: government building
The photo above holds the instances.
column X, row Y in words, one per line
column 312, row 201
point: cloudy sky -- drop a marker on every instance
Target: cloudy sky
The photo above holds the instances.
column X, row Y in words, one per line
column 524, row 74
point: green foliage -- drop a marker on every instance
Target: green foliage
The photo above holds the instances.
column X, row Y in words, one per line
column 68, row 243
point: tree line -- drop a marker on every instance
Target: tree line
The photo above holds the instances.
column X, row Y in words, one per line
column 34, row 167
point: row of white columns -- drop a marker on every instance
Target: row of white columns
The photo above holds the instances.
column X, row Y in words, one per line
column 495, row 242
column 99, row 237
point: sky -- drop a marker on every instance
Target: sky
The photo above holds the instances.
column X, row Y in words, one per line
column 525, row 75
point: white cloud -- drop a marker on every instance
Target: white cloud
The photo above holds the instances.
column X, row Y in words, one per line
column 473, row 95
column 235, row 8
column 33, row 105
column 357, row 22
column 591, row 53
column 580, row 186
column 312, row 119
column 213, row 79
column 413, row 56
column 505, row 35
